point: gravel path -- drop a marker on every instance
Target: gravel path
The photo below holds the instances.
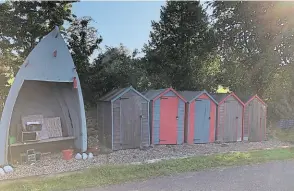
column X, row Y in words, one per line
column 272, row 176
column 54, row 164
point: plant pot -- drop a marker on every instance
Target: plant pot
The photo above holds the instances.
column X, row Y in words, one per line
column 67, row 154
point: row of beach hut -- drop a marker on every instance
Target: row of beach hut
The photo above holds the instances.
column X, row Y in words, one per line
column 131, row 119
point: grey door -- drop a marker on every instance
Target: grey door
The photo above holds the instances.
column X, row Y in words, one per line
column 256, row 120
column 253, row 120
column 227, row 126
column 231, row 121
column 201, row 131
column 130, row 122
column 263, row 122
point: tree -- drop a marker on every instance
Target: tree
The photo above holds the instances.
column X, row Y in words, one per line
column 255, row 43
column 5, row 77
column 115, row 68
column 179, row 46
column 83, row 40
column 236, row 41
column 22, row 25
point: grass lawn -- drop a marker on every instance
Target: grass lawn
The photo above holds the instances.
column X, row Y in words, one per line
column 105, row 175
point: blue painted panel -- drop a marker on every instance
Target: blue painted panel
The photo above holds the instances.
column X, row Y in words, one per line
column 149, row 142
column 169, row 93
column 112, row 124
column 181, row 115
column 156, row 121
column 207, row 121
column 201, row 131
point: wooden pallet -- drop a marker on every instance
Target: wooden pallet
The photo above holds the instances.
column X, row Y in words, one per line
column 53, row 127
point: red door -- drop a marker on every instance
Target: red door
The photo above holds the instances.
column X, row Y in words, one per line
column 168, row 120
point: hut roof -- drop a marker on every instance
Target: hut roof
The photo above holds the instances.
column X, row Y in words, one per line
column 112, row 94
column 219, row 96
column 151, row 94
column 244, row 98
column 190, row 95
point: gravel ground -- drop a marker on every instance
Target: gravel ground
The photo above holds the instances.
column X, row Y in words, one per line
column 54, row 163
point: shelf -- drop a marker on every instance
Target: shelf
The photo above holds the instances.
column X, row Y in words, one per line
column 43, row 141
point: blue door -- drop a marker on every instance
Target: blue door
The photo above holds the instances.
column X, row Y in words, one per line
column 201, row 116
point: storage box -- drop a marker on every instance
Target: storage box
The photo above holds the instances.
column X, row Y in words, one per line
column 29, row 136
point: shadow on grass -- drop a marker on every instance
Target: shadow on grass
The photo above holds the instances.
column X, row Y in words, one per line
column 105, row 175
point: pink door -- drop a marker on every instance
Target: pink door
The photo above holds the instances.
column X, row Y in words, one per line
column 168, row 120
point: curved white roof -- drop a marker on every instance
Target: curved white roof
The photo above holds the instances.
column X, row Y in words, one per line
column 42, row 65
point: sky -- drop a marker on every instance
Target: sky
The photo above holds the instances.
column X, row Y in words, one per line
column 127, row 22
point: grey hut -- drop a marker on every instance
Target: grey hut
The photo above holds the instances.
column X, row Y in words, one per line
column 229, row 126
column 254, row 119
column 123, row 119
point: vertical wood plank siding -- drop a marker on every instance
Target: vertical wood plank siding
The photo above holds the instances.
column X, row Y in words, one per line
column 145, row 124
column 116, row 125
column 181, row 115
column 156, row 121
column 254, row 120
column 221, row 122
column 230, row 118
column 212, row 114
column 123, row 118
column 104, row 122
column 155, row 118
column 246, row 123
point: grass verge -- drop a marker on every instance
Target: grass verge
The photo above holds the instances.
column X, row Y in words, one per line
column 105, row 175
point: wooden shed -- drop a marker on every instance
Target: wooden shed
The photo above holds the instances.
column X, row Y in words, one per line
column 167, row 114
column 254, row 121
column 200, row 115
column 123, row 119
column 229, row 117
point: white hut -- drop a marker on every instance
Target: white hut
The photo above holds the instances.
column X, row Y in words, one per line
column 46, row 91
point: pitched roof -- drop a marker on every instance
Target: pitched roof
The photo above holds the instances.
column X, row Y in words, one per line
column 190, row 95
column 112, row 94
column 151, row 94
column 219, row 96
column 247, row 98
column 244, row 98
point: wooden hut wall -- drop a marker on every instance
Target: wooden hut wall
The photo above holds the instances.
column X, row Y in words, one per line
column 254, row 120
column 230, row 119
column 210, row 121
column 124, row 119
column 104, row 122
column 129, row 130
column 158, row 131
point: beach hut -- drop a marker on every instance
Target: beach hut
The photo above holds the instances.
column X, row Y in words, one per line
column 123, row 119
column 254, row 121
column 200, row 115
column 46, row 95
column 167, row 114
column 229, row 117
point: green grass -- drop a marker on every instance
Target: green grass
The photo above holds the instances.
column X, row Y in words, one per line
column 105, row 175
